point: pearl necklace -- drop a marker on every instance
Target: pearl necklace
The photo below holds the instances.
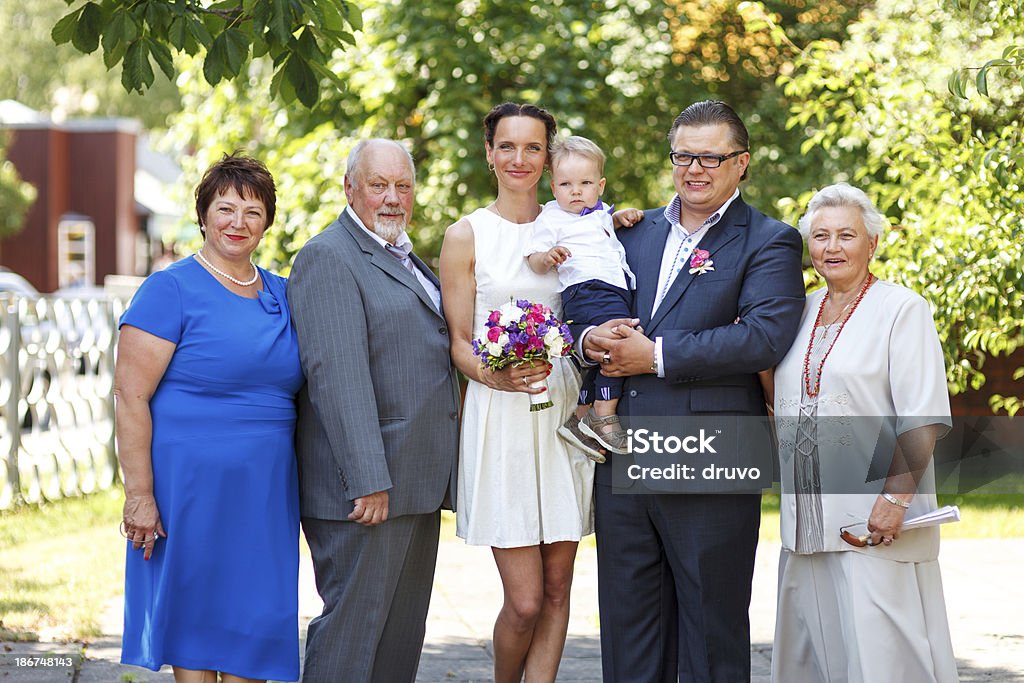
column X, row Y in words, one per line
column 812, row 392
column 247, row 283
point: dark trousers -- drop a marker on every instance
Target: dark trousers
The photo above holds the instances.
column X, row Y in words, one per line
column 674, row 582
column 375, row 583
column 591, row 303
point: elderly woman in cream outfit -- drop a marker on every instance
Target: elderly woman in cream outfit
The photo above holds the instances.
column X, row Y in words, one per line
column 864, row 377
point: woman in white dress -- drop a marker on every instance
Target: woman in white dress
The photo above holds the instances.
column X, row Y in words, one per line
column 522, row 490
column 864, row 377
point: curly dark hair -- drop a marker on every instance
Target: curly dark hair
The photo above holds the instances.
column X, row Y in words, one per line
column 249, row 177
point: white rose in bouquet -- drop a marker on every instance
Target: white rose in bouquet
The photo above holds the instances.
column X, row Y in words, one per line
column 554, row 341
column 509, row 313
column 512, row 337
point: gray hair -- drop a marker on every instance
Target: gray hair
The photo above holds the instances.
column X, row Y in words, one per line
column 842, row 194
column 354, row 163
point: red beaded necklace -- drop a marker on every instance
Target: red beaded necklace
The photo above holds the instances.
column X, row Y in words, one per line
column 812, row 392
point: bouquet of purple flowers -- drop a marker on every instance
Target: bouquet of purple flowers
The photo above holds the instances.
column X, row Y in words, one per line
column 519, row 332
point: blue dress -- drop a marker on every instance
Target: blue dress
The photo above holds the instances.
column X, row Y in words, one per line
column 221, row 591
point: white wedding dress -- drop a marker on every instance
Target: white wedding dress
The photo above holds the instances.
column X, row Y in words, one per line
column 519, row 483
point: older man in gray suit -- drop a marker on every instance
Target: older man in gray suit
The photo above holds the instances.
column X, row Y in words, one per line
column 378, row 425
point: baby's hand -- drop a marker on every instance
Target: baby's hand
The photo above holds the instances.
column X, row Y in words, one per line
column 556, row 256
column 627, row 217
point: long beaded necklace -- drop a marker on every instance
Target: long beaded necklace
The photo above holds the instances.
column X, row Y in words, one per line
column 827, row 326
column 247, row 283
column 812, row 392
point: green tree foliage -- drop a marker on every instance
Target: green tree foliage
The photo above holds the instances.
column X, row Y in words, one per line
column 306, row 158
column 615, row 71
column 947, row 171
column 64, row 82
column 1010, row 64
column 16, row 196
column 299, row 36
column 735, row 51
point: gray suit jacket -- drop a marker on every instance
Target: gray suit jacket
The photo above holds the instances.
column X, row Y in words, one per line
column 380, row 408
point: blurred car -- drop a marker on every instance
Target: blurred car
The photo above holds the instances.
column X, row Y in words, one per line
column 16, row 284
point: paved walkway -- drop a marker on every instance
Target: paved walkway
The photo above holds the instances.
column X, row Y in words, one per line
column 984, row 599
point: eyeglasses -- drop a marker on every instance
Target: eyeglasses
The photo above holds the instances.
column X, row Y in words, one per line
column 863, row 541
column 705, row 160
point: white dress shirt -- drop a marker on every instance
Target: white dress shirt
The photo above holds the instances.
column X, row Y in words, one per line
column 679, row 246
column 405, row 244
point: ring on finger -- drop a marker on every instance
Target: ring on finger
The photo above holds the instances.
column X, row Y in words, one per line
column 606, row 358
column 526, row 381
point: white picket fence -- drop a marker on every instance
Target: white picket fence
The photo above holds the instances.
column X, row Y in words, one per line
column 56, row 397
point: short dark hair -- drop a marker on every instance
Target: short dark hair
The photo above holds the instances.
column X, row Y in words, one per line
column 249, row 177
column 712, row 113
column 515, row 109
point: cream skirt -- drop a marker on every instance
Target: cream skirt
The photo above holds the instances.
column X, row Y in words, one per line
column 847, row 617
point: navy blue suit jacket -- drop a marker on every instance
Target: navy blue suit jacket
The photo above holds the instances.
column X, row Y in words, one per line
column 711, row 361
column 675, row 569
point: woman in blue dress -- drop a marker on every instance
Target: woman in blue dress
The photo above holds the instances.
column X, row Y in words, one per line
column 207, row 371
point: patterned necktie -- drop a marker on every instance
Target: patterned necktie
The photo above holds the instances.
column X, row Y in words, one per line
column 401, row 256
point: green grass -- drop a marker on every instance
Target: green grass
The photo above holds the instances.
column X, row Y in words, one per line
column 981, row 516
column 60, row 565
column 986, row 516
column 769, row 532
column 448, row 526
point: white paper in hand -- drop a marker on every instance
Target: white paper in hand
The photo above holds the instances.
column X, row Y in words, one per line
column 946, row 513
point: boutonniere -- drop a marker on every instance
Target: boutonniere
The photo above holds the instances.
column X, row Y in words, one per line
column 700, row 262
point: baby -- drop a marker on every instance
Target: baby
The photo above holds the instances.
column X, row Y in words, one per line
column 576, row 234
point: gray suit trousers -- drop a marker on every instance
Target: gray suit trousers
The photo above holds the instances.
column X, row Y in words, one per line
column 375, row 583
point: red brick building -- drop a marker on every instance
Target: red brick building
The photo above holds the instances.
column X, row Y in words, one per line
column 86, row 222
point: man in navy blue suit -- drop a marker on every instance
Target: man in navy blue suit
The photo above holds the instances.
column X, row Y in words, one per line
column 719, row 296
